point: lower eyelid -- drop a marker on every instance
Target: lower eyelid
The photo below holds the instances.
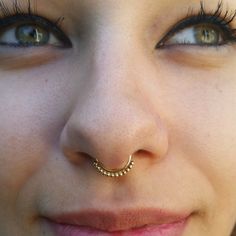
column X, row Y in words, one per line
column 198, row 57
column 217, row 50
column 27, row 58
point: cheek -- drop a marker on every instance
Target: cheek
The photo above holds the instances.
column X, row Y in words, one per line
column 18, row 162
column 201, row 117
column 30, row 122
column 23, row 152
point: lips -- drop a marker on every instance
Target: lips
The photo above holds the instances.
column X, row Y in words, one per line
column 133, row 222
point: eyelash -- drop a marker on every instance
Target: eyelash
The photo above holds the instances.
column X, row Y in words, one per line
column 11, row 15
column 220, row 18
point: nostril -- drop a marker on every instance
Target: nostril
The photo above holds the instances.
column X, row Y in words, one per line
column 82, row 157
column 77, row 158
column 143, row 154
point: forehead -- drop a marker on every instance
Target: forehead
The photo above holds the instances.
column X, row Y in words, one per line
column 94, row 4
column 127, row 8
column 133, row 10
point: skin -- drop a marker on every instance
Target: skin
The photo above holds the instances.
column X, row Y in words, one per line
column 111, row 95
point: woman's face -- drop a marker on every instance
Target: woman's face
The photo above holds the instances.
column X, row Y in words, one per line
column 109, row 84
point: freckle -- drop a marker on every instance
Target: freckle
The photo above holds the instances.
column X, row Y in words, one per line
column 219, row 89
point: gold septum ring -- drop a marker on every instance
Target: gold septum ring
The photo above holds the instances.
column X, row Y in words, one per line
column 114, row 172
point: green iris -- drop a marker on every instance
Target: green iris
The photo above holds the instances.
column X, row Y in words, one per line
column 32, row 35
column 206, row 34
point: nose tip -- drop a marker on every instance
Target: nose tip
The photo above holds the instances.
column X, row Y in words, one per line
column 111, row 129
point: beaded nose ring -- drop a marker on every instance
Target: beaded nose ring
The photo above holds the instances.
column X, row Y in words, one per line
column 114, row 172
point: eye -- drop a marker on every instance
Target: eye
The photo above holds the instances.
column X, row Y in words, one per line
column 27, row 35
column 203, row 29
column 203, row 34
column 29, row 31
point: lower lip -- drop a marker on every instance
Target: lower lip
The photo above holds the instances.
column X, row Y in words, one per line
column 174, row 229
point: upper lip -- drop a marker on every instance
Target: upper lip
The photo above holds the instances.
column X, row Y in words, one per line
column 119, row 220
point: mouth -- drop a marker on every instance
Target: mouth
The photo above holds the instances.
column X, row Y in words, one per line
column 142, row 222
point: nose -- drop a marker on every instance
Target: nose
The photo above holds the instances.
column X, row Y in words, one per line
column 111, row 129
column 111, row 118
column 110, row 126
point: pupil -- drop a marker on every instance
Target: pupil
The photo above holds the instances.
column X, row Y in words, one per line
column 32, row 34
column 207, row 35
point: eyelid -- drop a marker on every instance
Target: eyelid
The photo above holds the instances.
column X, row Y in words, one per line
column 201, row 59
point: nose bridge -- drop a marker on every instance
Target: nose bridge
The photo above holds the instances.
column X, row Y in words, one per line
column 112, row 88
column 113, row 80
column 113, row 67
column 113, row 48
